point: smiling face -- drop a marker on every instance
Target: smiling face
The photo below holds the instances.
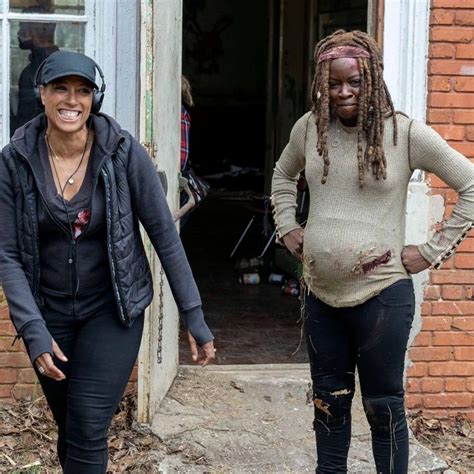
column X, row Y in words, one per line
column 344, row 89
column 67, row 103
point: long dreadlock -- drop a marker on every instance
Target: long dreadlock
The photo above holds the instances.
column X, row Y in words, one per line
column 374, row 102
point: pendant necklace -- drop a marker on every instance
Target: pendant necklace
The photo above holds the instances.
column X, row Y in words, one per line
column 54, row 155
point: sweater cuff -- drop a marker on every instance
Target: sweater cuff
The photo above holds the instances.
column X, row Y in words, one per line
column 195, row 324
column 286, row 229
column 37, row 339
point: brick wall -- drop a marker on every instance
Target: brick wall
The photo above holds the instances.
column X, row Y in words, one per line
column 441, row 378
column 17, row 379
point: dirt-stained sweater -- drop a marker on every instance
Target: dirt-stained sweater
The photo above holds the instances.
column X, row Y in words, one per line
column 354, row 236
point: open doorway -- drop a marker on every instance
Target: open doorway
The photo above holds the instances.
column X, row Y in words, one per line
column 250, row 67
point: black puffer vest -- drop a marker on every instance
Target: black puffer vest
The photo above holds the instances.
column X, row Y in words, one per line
column 130, row 271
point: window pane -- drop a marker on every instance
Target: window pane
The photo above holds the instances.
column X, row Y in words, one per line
column 31, row 43
column 63, row 7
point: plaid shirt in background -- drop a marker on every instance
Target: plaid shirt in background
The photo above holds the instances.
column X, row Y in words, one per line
column 185, row 126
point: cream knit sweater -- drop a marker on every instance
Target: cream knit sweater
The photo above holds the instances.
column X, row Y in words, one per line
column 354, row 236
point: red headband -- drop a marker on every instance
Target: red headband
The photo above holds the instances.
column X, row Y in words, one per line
column 344, row 52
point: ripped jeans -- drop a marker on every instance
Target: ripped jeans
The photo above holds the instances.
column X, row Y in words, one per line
column 373, row 337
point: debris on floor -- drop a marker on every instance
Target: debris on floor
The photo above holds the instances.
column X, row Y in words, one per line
column 226, row 420
column 28, row 440
column 452, row 439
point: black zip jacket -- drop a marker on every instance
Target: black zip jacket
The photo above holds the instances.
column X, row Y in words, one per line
column 133, row 194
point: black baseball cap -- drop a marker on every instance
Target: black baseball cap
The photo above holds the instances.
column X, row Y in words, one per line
column 66, row 63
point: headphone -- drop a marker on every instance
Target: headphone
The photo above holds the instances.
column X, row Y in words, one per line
column 97, row 94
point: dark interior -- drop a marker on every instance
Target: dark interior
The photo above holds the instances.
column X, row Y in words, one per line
column 249, row 66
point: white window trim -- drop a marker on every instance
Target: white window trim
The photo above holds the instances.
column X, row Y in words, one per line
column 406, row 41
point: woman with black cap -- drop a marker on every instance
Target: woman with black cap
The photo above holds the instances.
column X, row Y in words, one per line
column 74, row 187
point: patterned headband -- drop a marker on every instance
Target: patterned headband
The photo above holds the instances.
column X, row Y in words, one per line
column 343, row 52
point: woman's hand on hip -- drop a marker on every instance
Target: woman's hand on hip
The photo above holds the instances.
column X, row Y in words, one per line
column 294, row 242
column 203, row 356
column 45, row 365
column 412, row 259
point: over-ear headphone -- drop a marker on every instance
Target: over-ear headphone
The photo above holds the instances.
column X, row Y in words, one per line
column 97, row 94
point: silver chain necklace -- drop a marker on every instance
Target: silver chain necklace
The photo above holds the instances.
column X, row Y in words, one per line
column 55, row 157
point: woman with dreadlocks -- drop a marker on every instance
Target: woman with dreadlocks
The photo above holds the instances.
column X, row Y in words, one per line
column 358, row 155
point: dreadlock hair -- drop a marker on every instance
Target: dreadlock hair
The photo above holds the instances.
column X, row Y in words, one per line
column 374, row 103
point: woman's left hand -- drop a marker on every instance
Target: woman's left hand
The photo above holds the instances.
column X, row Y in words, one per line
column 412, row 259
column 203, row 356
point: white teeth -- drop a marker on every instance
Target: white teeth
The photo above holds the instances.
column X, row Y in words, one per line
column 69, row 113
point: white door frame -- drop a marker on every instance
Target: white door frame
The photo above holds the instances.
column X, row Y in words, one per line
column 160, row 105
column 406, row 41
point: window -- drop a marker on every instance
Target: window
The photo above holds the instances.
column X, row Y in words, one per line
column 30, row 31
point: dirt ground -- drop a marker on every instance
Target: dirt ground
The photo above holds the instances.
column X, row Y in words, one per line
column 27, row 436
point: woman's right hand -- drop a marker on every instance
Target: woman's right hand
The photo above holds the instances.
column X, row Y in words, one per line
column 45, row 365
column 294, row 242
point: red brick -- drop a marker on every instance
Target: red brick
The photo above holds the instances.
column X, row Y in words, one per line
column 451, row 196
column 442, row 51
column 422, row 339
column 450, row 132
column 455, row 385
column 448, row 400
column 6, row 344
column 440, row 116
column 442, row 17
column 439, row 84
column 464, row 353
column 453, row 338
column 437, row 182
column 14, row 359
column 431, row 353
column 440, row 99
column 465, row 18
column 465, row 323
column 8, row 376
column 413, row 385
column 470, row 133
column 460, row 116
column 466, row 149
column 464, row 260
column 436, row 323
column 425, row 308
column 4, row 313
column 420, row 369
column 455, row 277
column 26, row 391
column 432, row 385
column 452, row 307
column 414, row 401
column 451, row 34
column 432, row 292
column 464, row 84
column 467, row 245
column 451, row 368
column 452, row 4
column 27, row 376
column 134, row 374
column 470, row 384
column 6, row 391
column 451, row 292
column 6, row 328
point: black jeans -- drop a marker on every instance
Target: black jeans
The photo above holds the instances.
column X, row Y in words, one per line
column 101, row 353
column 373, row 337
